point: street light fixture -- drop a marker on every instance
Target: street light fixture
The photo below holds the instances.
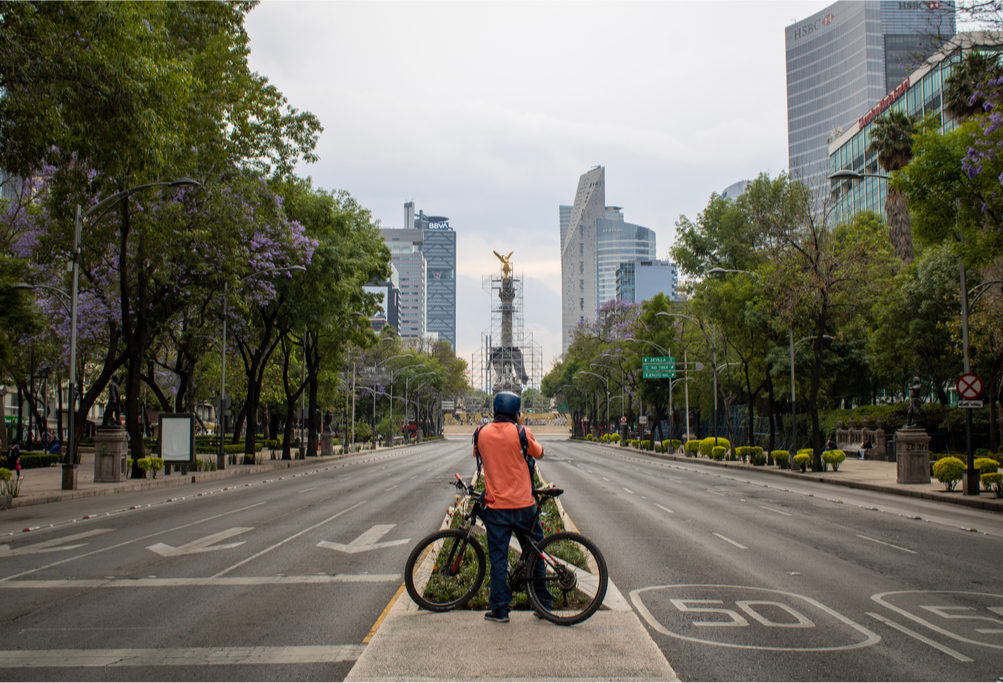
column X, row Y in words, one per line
column 69, row 465
column 605, row 382
column 970, row 480
column 713, row 342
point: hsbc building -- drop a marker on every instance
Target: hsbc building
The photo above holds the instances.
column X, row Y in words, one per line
column 842, row 61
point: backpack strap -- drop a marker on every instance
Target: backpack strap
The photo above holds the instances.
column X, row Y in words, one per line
column 477, row 453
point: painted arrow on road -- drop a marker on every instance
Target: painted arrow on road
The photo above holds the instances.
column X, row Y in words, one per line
column 367, row 541
column 50, row 546
column 202, row 545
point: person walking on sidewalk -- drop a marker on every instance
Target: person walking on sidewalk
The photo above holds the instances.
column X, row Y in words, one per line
column 507, row 450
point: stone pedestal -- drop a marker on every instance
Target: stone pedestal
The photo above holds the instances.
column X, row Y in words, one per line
column 912, row 451
column 111, row 446
column 327, row 443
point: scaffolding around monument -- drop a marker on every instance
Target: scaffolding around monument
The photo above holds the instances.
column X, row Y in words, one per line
column 500, row 363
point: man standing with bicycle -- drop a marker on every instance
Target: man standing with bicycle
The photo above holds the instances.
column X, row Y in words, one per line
column 507, row 451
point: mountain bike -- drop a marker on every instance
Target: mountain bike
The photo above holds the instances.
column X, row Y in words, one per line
column 564, row 574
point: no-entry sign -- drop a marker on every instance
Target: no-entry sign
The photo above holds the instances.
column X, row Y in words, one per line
column 969, row 386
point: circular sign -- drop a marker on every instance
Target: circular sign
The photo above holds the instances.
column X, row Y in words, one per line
column 623, row 419
column 969, row 386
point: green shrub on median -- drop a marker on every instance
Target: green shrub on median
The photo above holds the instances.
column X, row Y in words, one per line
column 834, row 458
column 986, row 465
column 780, row 457
column 948, row 470
column 993, row 481
column 707, row 445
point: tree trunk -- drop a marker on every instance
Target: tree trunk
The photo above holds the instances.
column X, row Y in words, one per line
column 899, row 224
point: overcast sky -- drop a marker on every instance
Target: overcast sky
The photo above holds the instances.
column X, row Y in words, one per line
column 488, row 112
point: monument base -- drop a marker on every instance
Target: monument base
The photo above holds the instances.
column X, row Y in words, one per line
column 111, row 446
column 327, row 443
column 912, row 454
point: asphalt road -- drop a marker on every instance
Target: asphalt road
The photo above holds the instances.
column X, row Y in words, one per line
column 759, row 577
column 283, row 577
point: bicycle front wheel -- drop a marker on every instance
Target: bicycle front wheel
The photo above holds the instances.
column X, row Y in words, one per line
column 444, row 570
column 567, row 581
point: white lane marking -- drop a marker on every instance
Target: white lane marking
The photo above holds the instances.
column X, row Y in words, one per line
column 134, row 540
column 920, row 637
column 779, row 512
column 286, row 540
column 629, row 492
column 605, row 479
column 662, row 507
column 734, row 543
column 201, row 545
column 180, row 656
column 223, row 581
column 393, row 487
column 890, row 545
column 52, row 545
column 305, row 490
column 368, row 540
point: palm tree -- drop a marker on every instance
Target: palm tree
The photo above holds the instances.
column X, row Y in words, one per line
column 969, row 78
column 891, row 140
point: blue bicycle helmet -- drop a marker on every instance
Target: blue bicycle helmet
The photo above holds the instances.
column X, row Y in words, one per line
column 508, row 403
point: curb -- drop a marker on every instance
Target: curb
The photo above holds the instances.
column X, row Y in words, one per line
column 179, row 480
column 992, row 505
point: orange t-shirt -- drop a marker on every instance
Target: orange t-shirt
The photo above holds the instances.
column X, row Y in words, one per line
column 507, row 480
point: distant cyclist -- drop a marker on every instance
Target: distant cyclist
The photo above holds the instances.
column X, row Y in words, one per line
column 507, row 450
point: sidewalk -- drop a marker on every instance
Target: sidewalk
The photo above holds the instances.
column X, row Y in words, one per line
column 44, row 484
column 873, row 475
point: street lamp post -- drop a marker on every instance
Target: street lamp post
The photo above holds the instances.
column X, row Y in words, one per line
column 606, row 383
column 970, row 481
column 375, row 368
column 69, row 464
column 668, row 354
column 713, row 343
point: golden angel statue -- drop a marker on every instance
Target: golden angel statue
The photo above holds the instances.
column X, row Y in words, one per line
column 506, row 263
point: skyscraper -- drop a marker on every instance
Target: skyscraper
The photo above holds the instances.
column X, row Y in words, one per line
column 842, row 60
column 595, row 240
column 425, row 249
column 406, row 256
column 578, row 253
column 619, row 242
column 439, row 248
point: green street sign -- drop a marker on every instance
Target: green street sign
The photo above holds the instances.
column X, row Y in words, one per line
column 657, row 359
column 660, row 367
column 650, row 374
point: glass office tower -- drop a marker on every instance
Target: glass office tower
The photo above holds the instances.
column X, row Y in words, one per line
column 842, row 61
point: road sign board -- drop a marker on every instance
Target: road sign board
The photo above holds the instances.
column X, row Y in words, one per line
column 659, row 367
column 970, row 403
column 658, row 375
column 969, row 386
column 658, row 359
column 623, row 419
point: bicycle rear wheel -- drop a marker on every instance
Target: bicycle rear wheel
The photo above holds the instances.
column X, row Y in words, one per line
column 444, row 570
column 567, row 582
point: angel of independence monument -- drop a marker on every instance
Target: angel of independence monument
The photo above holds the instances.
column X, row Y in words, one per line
column 509, row 359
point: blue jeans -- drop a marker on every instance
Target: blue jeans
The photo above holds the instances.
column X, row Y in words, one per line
column 500, row 524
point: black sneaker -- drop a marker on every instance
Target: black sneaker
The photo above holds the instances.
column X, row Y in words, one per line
column 496, row 616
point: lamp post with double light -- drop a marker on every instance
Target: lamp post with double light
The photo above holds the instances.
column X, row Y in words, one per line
column 712, row 340
column 970, row 480
column 69, row 465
